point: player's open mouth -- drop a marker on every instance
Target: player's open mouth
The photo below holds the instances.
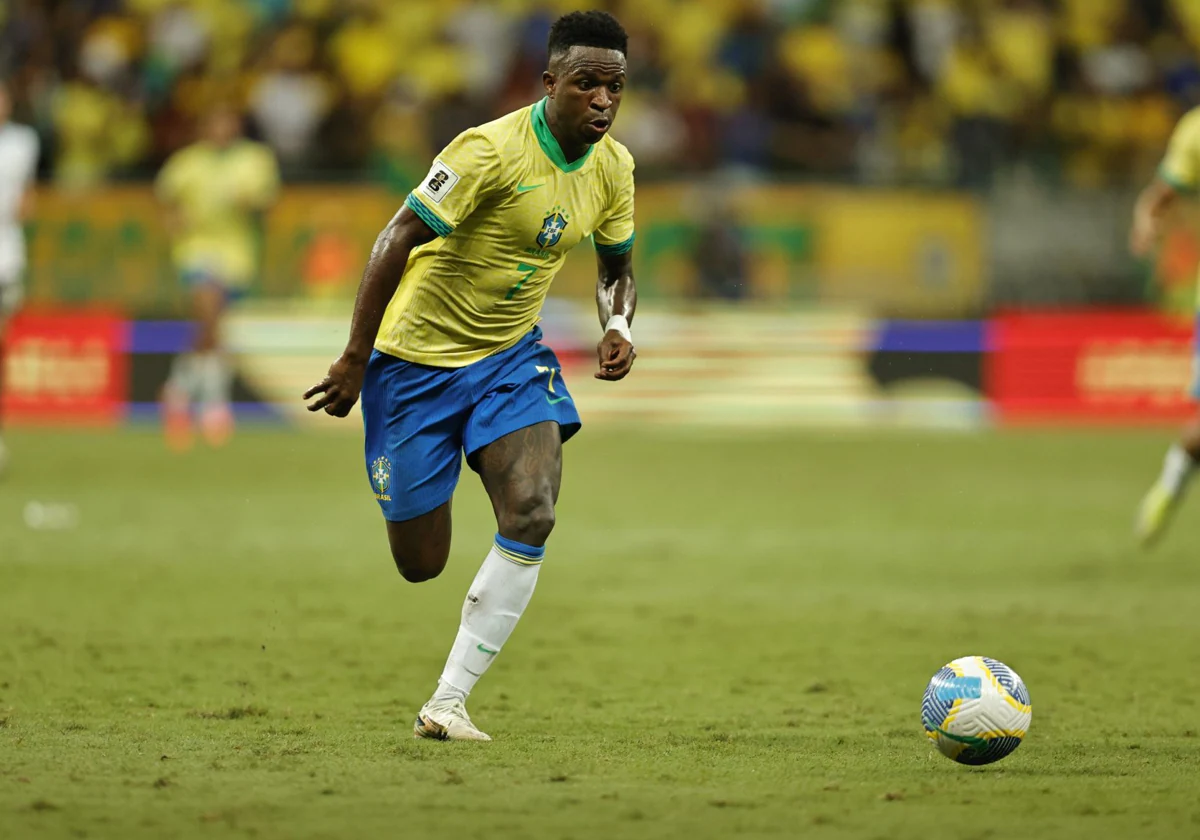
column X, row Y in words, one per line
column 600, row 126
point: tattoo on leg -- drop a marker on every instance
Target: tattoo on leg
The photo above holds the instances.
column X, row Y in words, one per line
column 522, row 471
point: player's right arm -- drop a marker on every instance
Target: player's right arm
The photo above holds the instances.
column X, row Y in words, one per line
column 167, row 187
column 462, row 176
column 1178, row 175
column 340, row 388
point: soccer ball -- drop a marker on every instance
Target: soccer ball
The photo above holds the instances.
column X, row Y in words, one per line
column 976, row 710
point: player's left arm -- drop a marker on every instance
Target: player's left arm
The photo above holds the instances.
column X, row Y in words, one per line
column 1153, row 206
column 261, row 185
column 616, row 292
column 616, row 302
column 1178, row 175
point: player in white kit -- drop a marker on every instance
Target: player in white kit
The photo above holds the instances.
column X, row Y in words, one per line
column 18, row 165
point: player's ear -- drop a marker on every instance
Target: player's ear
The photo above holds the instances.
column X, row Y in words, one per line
column 549, row 83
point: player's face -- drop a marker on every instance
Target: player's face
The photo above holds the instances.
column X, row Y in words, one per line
column 222, row 127
column 586, row 84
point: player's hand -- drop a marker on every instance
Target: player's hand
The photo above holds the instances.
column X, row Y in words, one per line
column 616, row 356
column 339, row 389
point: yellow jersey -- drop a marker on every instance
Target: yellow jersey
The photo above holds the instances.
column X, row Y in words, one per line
column 217, row 192
column 507, row 207
column 1180, row 167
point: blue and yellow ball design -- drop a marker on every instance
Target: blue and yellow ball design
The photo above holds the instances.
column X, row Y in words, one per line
column 976, row 710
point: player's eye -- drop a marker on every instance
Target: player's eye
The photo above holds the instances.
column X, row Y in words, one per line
column 615, row 87
column 584, row 84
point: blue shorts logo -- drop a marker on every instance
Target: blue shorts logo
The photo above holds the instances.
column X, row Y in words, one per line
column 381, row 477
column 552, row 228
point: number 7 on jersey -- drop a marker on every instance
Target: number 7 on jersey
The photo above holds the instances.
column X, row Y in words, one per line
column 527, row 271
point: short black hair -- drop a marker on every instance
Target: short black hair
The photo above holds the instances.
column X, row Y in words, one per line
column 587, row 29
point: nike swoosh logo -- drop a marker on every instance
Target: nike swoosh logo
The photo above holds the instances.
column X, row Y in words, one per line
column 487, row 650
column 521, row 188
column 555, row 400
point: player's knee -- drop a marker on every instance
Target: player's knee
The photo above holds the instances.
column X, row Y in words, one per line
column 530, row 523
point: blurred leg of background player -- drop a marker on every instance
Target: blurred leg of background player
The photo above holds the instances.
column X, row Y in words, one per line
column 201, row 377
column 1164, row 497
column 10, row 299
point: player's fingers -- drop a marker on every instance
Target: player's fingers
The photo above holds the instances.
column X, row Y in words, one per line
column 328, row 398
column 613, row 372
column 621, row 359
column 320, row 387
column 612, row 375
column 341, row 407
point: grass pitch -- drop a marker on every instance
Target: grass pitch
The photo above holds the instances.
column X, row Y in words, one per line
column 730, row 638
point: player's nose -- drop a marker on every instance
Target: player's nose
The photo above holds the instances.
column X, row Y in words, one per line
column 601, row 100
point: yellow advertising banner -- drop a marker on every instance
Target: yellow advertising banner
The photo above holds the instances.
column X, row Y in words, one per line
column 897, row 253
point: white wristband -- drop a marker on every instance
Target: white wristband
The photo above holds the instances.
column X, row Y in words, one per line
column 621, row 324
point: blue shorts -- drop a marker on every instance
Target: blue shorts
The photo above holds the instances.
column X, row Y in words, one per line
column 420, row 420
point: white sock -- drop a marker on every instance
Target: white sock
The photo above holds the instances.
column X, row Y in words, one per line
column 214, row 379
column 1177, row 469
column 494, row 603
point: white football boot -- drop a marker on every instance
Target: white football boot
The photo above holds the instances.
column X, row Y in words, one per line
column 446, row 720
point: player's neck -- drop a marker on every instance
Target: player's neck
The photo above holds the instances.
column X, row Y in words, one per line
column 572, row 151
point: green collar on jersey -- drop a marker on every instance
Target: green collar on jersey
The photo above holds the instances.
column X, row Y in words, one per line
column 549, row 143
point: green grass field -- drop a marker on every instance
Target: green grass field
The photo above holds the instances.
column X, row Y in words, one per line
column 730, row 638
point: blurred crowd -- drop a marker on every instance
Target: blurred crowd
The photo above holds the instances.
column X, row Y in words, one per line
column 942, row 92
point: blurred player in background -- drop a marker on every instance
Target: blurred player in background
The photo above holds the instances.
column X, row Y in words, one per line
column 213, row 191
column 445, row 348
column 18, row 166
column 1178, row 176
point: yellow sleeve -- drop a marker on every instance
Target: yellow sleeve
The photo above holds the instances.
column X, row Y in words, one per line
column 1181, row 166
column 616, row 234
column 262, row 179
column 168, row 183
column 461, row 177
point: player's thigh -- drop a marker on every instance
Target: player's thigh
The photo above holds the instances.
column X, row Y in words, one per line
column 522, row 471
column 413, row 420
column 515, row 433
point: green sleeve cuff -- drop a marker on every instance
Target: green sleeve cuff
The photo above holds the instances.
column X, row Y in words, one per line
column 618, row 249
column 1173, row 182
column 428, row 216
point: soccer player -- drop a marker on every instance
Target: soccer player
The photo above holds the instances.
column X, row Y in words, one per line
column 212, row 191
column 1179, row 175
column 18, row 166
column 445, row 348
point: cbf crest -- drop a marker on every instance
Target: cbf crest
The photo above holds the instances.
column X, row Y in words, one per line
column 552, row 227
column 381, row 477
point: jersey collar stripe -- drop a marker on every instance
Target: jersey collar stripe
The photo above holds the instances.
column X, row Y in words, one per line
column 428, row 216
column 1174, row 182
column 549, row 143
column 615, row 249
